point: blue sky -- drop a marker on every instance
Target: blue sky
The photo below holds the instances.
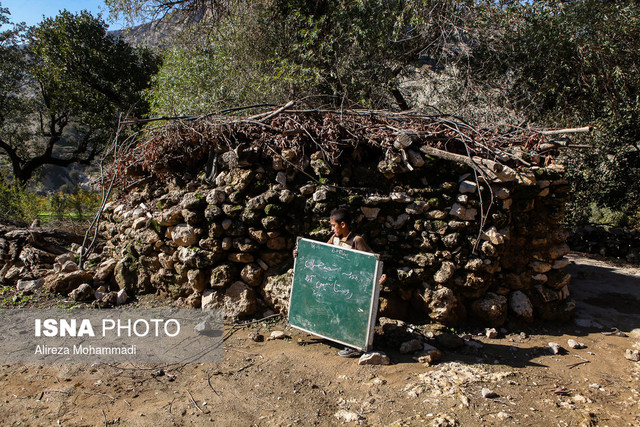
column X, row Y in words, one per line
column 31, row 11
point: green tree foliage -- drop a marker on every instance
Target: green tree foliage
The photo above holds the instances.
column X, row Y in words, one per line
column 276, row 50
column 576, row 63
column 63, row 84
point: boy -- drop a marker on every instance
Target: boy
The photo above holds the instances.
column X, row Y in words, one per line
column 343, row 236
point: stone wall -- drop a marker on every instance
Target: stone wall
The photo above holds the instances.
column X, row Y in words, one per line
column 456, row 246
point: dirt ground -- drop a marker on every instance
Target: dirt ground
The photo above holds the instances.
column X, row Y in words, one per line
column 300, row 380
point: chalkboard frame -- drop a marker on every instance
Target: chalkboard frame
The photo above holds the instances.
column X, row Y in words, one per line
column 373, row 304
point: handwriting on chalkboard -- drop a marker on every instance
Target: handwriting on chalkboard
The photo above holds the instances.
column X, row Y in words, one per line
column 311, row 265
column 319, row 288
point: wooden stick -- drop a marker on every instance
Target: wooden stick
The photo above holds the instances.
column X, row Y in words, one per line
column 569, row 130
column 194, row 402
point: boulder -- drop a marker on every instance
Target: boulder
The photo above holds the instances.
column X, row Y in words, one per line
column 84, row 292
column 277, row 290
column 66, row 282
column 491, row 308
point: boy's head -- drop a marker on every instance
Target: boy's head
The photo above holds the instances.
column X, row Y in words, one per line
column 340, row 222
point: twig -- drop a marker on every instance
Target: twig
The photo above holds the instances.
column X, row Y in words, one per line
column 105, row 417
column 194, row 402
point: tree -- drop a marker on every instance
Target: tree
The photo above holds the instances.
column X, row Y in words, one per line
column 350, row 52
column 63, row 89
column 576, row 63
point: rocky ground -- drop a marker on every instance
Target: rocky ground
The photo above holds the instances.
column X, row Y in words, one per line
column 513, row 378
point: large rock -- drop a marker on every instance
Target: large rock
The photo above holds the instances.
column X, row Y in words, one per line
column 491, row 308
column 445, row 273
column 221, row 276
column 184, row 235
column 125, row 275
column 105, row 270
column 84, row 292
column 240, row 301
column 66, row 282
column 443, row 305
column 252, row 274
column 29, row 286
column 520, row 305
column 277, row 291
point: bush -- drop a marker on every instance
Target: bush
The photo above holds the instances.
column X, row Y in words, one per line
column 18, row 205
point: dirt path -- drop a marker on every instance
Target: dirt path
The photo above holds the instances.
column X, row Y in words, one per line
column 300, row 380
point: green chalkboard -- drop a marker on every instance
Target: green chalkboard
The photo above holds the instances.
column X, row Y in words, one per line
column 335, row 293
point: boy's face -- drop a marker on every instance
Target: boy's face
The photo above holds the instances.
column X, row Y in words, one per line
column 340, row 229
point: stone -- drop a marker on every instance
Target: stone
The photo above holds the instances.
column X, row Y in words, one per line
column 184, row 235
column 277, row 243
column 109, row 299
column 375, row 199
column 491, row 333
column 240, row 301
column 494, row 236
column 211, row 299
column 84, row 292
column 216, row 197
column 400, row 197
column 467, row 187
column 255, row 336
column 29, row 286
column 465, row 214
column 411, row 346
column 252, row 274
column 415, row 158
column 521, row 306
column 221, row 276
column 445, row 273
column 277, row 290
column 241, row 257
column 555, row 348
column 399, row 222
column 66, row 282
column 575, row 344
column 559, row 264
column 559, row 251
column 196, row 280
column 320, row 195
column 169, row 217
column 277, row 335
column 633, row 355
column 491, row 308
column 429, row 355
column 69, row 267
column 540, row 267
column 449, row 341
column 370, row 213
column 139, row 223
column 347, row 416
column 502, row 193
column 258, row 235
column 105, row 270
column 443, row 304
column 121, row 297
column 374, row 358
column 488, row 393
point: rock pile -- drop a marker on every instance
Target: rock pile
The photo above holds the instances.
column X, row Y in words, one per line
column 467, row 224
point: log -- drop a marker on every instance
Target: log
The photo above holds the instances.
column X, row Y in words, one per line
column 492, row 170
column 568, row 130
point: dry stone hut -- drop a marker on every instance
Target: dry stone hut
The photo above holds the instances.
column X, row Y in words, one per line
column 466, row 220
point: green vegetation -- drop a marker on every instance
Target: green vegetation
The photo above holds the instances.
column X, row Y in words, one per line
column 64, row 84
column 547, row 63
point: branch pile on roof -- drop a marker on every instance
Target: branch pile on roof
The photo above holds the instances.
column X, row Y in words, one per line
column 185, row 144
